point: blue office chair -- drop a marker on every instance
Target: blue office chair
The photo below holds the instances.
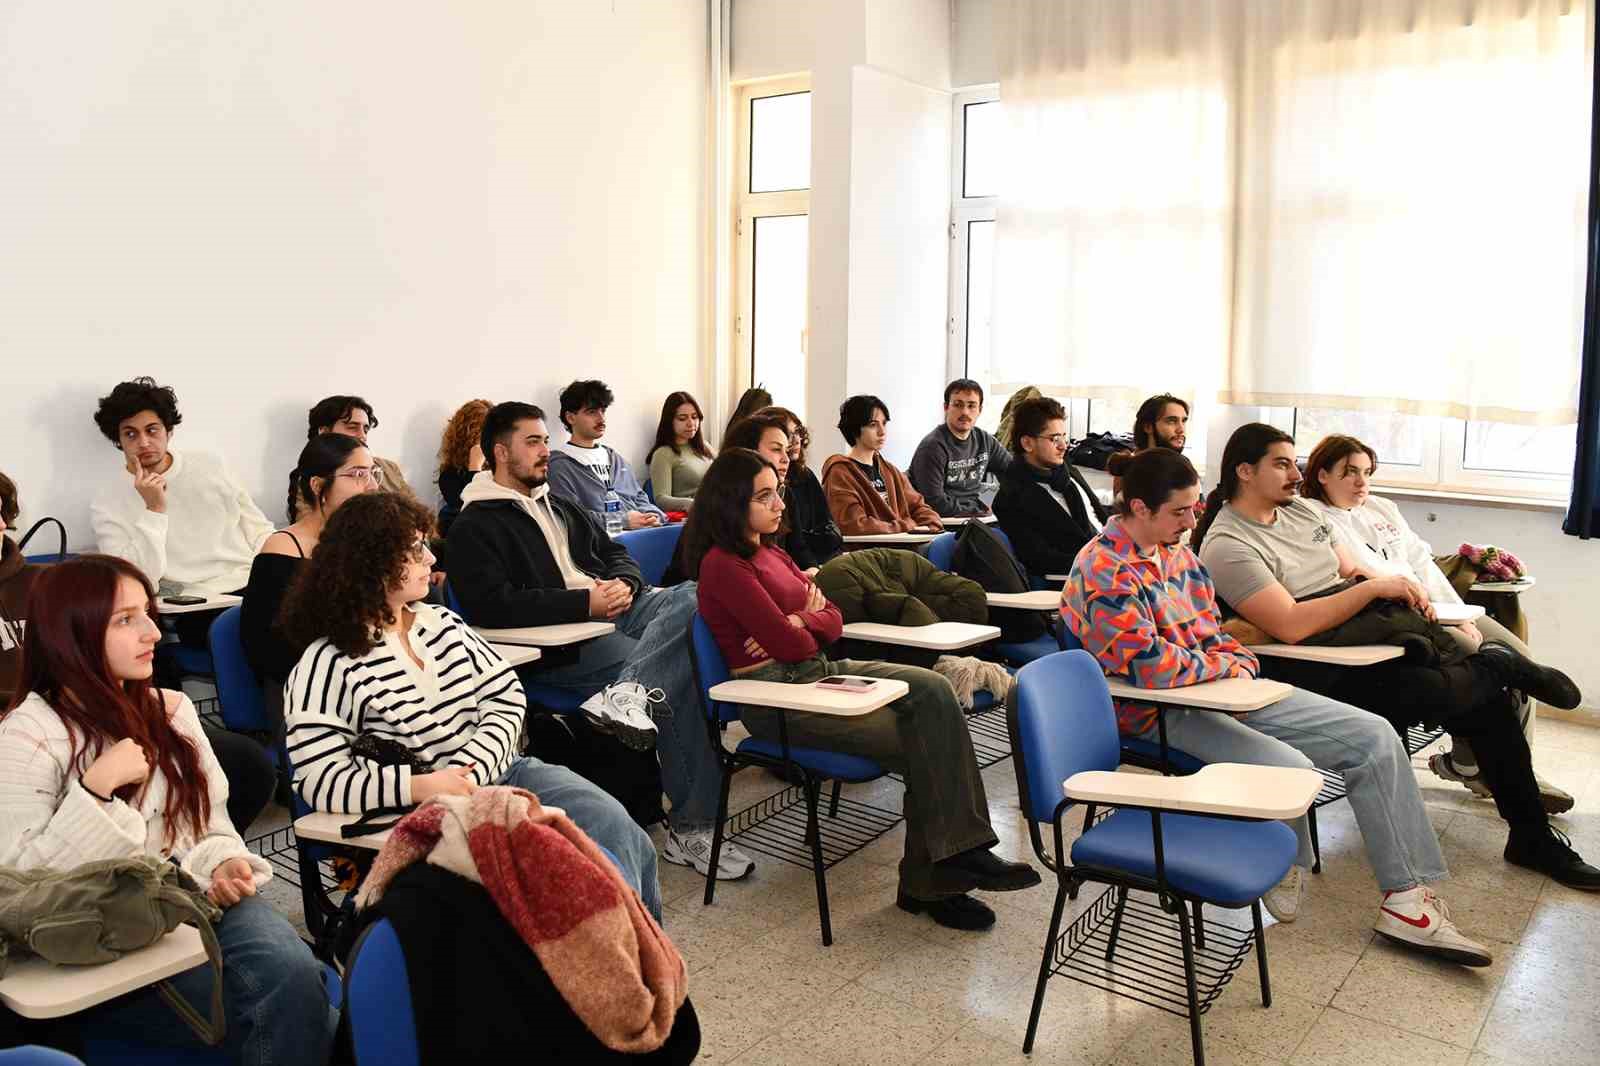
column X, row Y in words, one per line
column 1064, row 724
column 238, row 689
column 652, row 549
column 810, row 766
column 555, row 700
column 383, row 1026
column 33, row 1055
column 649, row 490
column 941, row 553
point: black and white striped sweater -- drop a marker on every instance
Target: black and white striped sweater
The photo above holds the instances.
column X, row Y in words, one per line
column 463, row 707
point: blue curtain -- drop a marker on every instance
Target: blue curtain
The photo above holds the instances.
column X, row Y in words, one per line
column 1583, row 516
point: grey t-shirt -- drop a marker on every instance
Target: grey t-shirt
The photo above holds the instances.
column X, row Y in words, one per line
column 1244, row 556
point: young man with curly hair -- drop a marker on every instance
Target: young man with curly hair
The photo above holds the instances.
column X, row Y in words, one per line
column 583, row 470
column 354, row 417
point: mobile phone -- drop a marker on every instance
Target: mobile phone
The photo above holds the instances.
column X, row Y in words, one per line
column 854, row 684
column 183, row 601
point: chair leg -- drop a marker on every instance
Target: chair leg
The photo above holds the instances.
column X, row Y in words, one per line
column 1195, row 1038
column 815, row 832
column 1316, row 844
column 833, row 803
column 1261, row 956
column 716, row 836
column 1116, row 922
column 1044, row 965
column 1199, row 928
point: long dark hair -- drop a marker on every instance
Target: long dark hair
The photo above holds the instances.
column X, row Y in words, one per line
column 667, row 437
column 322, row 457
column 753, row 400
column 720, row 518
column 1330, row 452
column 1149, row 414
column 1248, row 445
column 1151, row 476
column 64, row 661
column 800, row 431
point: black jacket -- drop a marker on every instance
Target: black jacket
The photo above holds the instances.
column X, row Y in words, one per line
column 504, row 575
column 1045, row 537
column 812, row 537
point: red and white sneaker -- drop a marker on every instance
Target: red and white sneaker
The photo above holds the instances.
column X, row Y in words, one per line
column 1418, row 918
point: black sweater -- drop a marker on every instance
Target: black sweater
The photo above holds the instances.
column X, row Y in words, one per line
column 505, row 576
column 452, row 480
column 812, row 538
column 270, row 653
column 1045, row 536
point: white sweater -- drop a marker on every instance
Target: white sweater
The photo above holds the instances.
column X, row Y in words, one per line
column 207, row 538
column 1381, row 540
column 463, row 707
column 47, row 818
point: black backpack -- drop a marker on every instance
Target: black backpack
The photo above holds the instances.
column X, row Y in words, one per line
column 633, row 778
column 980, row 556
column 1093, row 450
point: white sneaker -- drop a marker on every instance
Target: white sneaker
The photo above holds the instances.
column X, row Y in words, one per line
column 694, row 849
column 1418, row 918
column 1283, row 899
column 623, row 709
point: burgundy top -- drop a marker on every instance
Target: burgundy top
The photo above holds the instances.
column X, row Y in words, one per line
column 744, row 598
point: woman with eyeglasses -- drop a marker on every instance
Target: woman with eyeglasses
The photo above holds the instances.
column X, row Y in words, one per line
column 771, row 623
column 396, row 700
column 1044, row 506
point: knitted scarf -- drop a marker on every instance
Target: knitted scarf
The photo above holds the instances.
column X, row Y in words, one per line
column 603, row 952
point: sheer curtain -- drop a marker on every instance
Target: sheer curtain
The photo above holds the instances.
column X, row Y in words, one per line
column 1335, row 203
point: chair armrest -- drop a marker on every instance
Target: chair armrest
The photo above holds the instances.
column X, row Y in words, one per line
column 890, row 538
column 324, row 828
column 548, row 636
column 35, row 988
column 810, row 697
column 1236, row 695
column 517, row 654
column 1519, row 586
column 961, row 520
column 1225, row 788
column 1354, row 655
column 214, row 601
column 940, row 636
column 1457, row 614
column 1037, row 600
column 1056, row 577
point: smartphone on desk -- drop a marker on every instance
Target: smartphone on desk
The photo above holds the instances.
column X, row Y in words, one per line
column 183, row 601
column 848, row 684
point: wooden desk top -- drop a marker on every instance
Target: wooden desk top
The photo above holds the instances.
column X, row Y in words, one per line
column 902, row 539
column 35, row 988
column 547, row 636
column 940, row 636
column 818, row 699
column 215, row 601
column 1275, row 792
column 1236, row 695
column 1036, row 600
column 1356, row 655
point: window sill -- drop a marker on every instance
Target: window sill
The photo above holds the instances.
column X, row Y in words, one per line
column 1475, row 499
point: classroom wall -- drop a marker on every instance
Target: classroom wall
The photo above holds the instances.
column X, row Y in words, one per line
column 972, row 59
column 264, row 204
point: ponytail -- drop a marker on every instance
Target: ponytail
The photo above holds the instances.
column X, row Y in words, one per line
column 1214, row 501
column 1248, row 445
column 322, row 457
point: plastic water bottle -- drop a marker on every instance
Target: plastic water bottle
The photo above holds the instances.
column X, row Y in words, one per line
column 613, row 513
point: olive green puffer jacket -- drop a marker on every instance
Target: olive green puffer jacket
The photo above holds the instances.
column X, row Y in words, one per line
column 899, row 588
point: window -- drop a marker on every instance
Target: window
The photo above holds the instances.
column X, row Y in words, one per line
column 975, row 166
column 773, row 232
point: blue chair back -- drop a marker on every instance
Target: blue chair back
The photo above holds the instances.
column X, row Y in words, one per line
column 383, row 1027
column 649, row 490
column 450, row 600
column 238, row 689
column 1064, row 723
column 652, row 549
column 942, row 552
column 710, row 669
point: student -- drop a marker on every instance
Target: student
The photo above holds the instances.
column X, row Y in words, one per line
column 771, row 623
column 767, row 434
column 866, row 492
column 1161, row 422
column 750, row 401
column 332, row 468
column 354, row 417
column 1281, row 565
column 96, row 763
column 460, row 458
column 16, row 578
column 584, row 470
column 1044, row 506
column 181, row 518
column 952, row 464
column 1144, row 607
column 381, row 664
column 1338, row 482
column 679, row 457
column 522, row 556
column 816, row 536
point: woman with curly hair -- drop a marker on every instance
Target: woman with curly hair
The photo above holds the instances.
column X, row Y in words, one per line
column 679, row 457
column 395, row 700
column 460, row 457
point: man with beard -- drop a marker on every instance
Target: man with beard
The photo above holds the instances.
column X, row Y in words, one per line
column 1162, row 422
column 1044, row 506
column 954, row 460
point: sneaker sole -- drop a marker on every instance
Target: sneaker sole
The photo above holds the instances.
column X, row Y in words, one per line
column 1457, row 955
column 629, row 734
column 678, row 858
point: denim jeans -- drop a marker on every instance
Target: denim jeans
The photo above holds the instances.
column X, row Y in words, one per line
column 594, row 811
column 1307, row 730
column 276, row 1007
column 651, row 646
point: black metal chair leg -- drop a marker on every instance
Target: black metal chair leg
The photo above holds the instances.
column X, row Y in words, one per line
column 716, row 836
column 1261, row 956
column 833, row 803
column 1044, row 964
column 1116, row 922
column 1199, row 928
column 1316, row 845
column 1195, row 1038
column 812, row 789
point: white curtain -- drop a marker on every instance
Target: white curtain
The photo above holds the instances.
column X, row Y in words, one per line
column 1322, row 203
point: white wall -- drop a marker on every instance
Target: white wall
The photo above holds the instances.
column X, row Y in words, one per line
column 264, row 204
column 973, row 60
column 776, row 37
column 911, row 38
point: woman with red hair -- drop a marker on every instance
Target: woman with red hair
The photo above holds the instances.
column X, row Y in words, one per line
column 97, row 763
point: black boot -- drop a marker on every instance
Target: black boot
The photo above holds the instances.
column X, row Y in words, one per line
column 1544, row 683
column 952, row 912
column 1548, row 850
column 989, row 872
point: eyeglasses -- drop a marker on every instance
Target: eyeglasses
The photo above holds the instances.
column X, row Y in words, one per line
column 769, row 498
column 421, row 553
column 1058, row 439
column 363, row 475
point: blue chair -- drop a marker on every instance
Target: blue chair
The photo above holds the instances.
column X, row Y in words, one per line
column 941, row 553
column 810, row 766
column 649, row 490
column 238, row 689
column 1063, row 725
column 652, row 548
column 383, row 1025
column 33, row 1055
column 555, row 700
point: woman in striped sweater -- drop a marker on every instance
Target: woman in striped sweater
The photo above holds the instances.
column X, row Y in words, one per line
column 402, row 676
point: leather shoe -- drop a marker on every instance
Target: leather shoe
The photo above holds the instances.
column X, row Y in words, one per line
column 952, row 912
column 990, row 872
column 1544, row 683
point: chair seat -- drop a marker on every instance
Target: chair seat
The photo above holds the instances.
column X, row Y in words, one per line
column 192, row 661
column 982, row 700
column 1022, row 654
column 833, row 765
column 555, row 700
column 1148, row 753
column 1213, row 859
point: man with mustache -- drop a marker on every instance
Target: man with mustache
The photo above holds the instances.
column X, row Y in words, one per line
column 955, row 459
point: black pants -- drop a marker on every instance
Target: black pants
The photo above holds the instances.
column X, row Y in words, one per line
column 1466, row 699
column 250, row 773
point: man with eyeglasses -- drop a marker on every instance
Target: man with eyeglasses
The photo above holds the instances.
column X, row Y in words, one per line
column 953, row 462
column 352, row 416
column 1044, row 505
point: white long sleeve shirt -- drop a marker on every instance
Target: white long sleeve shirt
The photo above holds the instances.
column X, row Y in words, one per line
column 1380, row 539
column 206, row 539
column 47, row 817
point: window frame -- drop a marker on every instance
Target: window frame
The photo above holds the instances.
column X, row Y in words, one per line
column 964, row 210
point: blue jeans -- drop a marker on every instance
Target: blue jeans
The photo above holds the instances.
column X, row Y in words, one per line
column 651, row 646
column 276, row 1006
column 598, row 814
column 1307, row 730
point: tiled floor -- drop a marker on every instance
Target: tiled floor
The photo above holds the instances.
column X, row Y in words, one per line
column 895, row 988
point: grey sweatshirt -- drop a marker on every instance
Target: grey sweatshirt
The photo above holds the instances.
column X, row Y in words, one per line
column 950, row 473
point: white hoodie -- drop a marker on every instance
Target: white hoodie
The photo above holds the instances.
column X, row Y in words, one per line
column 1380, row 539
column 483, row 486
